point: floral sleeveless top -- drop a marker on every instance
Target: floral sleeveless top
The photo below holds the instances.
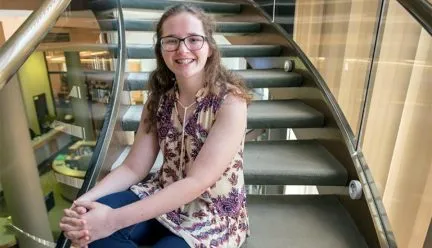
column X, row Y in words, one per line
column 218, row 217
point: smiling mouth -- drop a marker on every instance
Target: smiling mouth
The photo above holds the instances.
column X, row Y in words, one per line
column 184, row 61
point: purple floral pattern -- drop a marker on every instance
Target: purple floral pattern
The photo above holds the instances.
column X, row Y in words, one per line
column 229, row 205
column 218, row 218
column 174, row 217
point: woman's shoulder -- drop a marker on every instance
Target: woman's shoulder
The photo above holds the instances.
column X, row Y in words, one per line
column 231, row 98
column 231, row 93
column 222, row 89
column 233, row 90
column 234, row 99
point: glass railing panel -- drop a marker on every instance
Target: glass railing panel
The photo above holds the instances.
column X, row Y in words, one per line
column 338, row 38
column 65, row 106
column 397, row 138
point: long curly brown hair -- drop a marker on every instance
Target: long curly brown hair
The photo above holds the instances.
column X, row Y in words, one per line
column 161, row 79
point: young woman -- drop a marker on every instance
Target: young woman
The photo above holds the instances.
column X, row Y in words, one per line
column 196, row 115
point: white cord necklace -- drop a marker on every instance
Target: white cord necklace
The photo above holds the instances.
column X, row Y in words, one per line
column 183, row 126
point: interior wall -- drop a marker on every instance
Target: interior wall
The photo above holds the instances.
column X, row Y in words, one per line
column 34, row 80
column 20, row 4
column 11, row 20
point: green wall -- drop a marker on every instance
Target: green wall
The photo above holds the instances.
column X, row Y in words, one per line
column 34, row 80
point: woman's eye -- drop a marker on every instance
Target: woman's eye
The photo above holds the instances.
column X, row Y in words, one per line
column 194, row 39
column 170, row 41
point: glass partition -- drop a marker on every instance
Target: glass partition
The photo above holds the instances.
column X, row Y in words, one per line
column 338, row 38
column 397, row 136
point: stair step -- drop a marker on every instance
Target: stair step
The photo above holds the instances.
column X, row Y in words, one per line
column 254, row 78
column 293, row 162
column 282, row 7
column 211, row 7
column 291, row 113
column 285, row 20
column 281, row 221
column 261, row 114
column 147, row 51
column 300, row 221
column 76, row 47
column 149, row 25
column 271, row 78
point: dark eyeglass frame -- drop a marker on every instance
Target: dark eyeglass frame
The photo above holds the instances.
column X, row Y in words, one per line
column 184, row 41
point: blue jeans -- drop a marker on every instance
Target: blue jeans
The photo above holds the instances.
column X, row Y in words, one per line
column 149, row 232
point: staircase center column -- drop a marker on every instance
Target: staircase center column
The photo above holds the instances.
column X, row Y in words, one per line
column 18, row 170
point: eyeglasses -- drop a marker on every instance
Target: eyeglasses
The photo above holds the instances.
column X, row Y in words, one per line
column 193, row 42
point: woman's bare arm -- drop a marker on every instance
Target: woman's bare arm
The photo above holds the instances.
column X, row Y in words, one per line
column 135, row 167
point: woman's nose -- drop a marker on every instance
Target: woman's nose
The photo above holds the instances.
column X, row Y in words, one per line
column 182, row 47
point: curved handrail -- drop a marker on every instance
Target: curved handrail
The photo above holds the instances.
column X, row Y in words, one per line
column 24, row 41
column 107, row 132
column 346, row 131
column 421, row 10
column 110, row 119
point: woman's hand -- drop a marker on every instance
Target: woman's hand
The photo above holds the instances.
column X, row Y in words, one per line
column 73, row 226
column 98, row 223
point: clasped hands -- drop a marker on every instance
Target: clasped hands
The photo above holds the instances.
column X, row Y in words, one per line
column 86, row 222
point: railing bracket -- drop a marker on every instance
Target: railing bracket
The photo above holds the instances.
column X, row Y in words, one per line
column 288, row 65
column 355, row 189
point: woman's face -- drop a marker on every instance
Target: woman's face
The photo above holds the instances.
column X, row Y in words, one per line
column 188, row 60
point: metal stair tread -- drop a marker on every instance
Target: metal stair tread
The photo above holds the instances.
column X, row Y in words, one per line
column 211, row 7
column 290, row 113
column 285, row 3
column 284, row 19
column 272, row 78
column 294, row 162
column 147, row 51
column 280, row 221
column 149, row 25
column 300, row 221
column 137, row 51
column 261, row 114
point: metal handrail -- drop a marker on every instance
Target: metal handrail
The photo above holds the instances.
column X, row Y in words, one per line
column 421, row 10
column 108, row 128
column 24, row 41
